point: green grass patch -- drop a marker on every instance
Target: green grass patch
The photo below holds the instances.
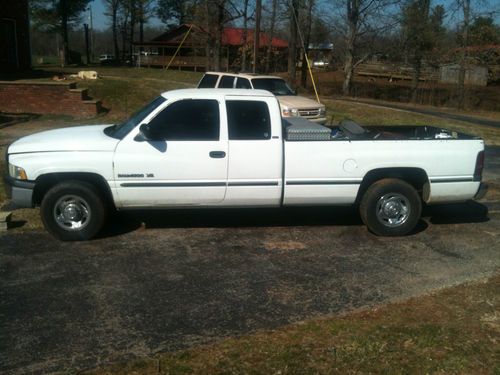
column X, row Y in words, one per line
column 456, row 330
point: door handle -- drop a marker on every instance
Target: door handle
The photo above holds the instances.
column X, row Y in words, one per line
column 217, row 154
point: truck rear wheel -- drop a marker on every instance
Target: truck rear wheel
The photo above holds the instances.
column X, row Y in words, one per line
column 73, row 211
column 391, row 207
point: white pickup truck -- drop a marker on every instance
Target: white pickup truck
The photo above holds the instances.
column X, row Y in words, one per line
column 232, row 148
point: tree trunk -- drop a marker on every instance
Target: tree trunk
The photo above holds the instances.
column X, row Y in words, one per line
column 245, row 37
column 64, row 32
column 271, row 36
column 114, row 12
column 352, row 20
column 256, row 38
column 141, row 30
column 292, row 46
column 348, row 72
column 303, row 75
column 463, row 55
column 417, row 65
column 133, row 21
column 219, row 26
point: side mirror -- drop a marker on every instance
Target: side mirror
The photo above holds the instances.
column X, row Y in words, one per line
column 144, row 133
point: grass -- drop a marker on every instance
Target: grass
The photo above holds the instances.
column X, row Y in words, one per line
column 455, row 330
column 338, row 110
column 125, row 91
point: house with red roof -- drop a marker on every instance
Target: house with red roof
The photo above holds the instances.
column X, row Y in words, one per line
column 187, row 47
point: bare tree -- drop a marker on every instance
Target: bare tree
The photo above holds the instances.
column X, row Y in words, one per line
column 307, row 39
column 271, row 35
column 218, row 13
column 179, row 11
column 113, row 7
column 292, row 44
column 58, row 16
column 123, row 18
column 359, row 22
column 422, row 29
column 465, row 6
column 144, row 12
column 245, row 36
column 256, row 38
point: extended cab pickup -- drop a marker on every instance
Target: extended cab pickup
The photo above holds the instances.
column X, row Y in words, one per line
column 231, row 148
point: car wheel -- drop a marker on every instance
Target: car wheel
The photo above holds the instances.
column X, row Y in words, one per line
column 73, row 211
column 391, row 207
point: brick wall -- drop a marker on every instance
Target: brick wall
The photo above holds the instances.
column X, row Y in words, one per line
column 46, row 98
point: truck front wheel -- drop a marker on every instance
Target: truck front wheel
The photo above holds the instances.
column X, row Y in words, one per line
column 391, row 207
column 73, row 211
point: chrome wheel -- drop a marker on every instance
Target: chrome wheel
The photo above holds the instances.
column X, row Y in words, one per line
column 393, row 209
column 72, row 212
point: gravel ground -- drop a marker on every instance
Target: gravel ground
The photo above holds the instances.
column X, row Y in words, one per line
column 179, row 279
column 169, row 280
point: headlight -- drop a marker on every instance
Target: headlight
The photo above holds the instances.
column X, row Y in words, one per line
column 17, row 172
column 288, row 112
column 322, row 111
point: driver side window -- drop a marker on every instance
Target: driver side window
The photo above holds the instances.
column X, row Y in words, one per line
column 187, row 120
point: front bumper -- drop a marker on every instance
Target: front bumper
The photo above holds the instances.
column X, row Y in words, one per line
column 318, row 120
column 19, row 192
column 481, row 192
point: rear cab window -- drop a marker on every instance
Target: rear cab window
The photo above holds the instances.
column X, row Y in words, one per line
column 248, row 120
column 243, row 83
column 208, row 81
column 226, row 82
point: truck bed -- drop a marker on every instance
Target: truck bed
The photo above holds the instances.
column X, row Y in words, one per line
column 299, row 129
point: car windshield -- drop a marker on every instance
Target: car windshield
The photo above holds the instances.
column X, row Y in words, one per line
column 276, row 85
column 121, row 130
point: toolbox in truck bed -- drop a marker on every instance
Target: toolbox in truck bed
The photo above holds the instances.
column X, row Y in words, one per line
column 300, row 129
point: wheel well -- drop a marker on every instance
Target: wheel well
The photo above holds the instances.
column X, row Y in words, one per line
column 45, row 182
column 416, row 177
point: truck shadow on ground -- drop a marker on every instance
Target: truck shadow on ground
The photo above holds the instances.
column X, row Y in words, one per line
column 128, row 221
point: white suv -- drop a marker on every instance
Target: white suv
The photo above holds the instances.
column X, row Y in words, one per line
column 290, row 103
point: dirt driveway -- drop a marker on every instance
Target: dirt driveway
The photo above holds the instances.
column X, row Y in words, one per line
column 169, row 280
column 193, row 277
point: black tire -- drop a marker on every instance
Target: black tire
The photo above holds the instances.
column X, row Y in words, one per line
column 84, row 211
column 391, row 207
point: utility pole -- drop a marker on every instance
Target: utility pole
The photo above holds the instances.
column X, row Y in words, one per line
column 256, row 38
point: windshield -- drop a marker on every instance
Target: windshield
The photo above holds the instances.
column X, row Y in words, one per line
column 276, row 85
column 121, row 130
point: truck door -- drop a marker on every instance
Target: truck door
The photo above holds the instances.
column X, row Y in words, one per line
column 186, row 163
column 255, row 151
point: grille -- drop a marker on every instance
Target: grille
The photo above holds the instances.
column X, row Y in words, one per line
column 309, row 112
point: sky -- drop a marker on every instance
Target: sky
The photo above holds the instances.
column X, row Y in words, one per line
column 101, row 21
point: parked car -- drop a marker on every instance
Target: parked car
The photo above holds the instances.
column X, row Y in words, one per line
column 107, row 59
column 291, row 104
column 231, row 148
